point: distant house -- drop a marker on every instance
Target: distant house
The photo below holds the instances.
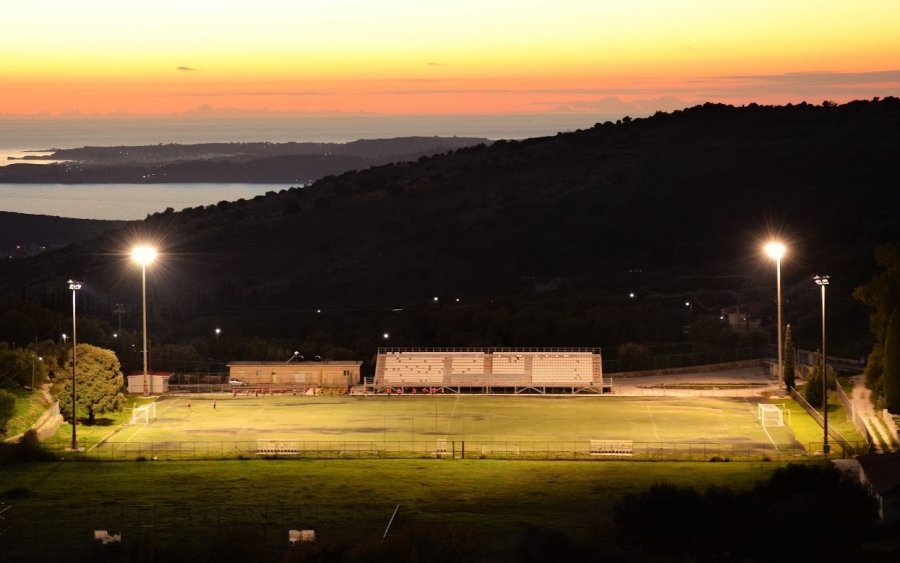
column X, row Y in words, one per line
column 880, row 474
column 744, row 318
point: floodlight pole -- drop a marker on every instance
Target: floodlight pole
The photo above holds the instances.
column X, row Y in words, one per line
column 74, row 286
column 822, row 281
column 776, row 251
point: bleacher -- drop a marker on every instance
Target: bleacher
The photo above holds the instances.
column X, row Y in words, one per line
column 558, row 370
column 486, row 369
column 508, row 364
column 413, row 369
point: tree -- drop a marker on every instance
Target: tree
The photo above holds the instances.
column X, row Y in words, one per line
column 99, row 384
column 7, row 408
column 789, row 378
column 633, row 357
column 813, row 392
column 891, row 364
column 882, row 294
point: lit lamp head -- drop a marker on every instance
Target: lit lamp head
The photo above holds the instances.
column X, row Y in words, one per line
column 143, row 255
column 775, row 250
column 74, row 285
column 821, row 280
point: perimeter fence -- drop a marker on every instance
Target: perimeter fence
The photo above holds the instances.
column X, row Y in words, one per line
column 584, row 450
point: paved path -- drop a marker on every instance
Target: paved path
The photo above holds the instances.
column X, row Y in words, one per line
column 862, row 405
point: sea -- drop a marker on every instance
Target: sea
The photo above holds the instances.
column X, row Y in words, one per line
column 20, row 136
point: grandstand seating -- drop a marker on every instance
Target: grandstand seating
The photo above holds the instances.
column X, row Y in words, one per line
column 561, row 369
column 413, row 369
column 489, row 368
column 503, row 363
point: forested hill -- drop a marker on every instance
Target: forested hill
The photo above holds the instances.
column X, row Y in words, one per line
column 673, row 205
column 26, row 235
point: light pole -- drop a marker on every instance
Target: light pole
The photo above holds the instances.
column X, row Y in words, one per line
column 74, row 286
column 776, row 250
column 40, row 359
column 144, row 255
column 822, row 281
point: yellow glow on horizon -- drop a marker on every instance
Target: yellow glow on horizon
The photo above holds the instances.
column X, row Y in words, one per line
column 369, row 55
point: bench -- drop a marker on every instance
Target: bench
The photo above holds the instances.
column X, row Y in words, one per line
column 612, row 447
column 276, row 448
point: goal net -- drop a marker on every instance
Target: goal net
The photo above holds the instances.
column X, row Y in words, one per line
column 144, row 414
column 770, row 415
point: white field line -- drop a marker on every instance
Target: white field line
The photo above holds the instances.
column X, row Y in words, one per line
column 160, row 410
column 450, row 418
column 769, row 436
column 653, row 422
column 724, row 424
column 119, row 429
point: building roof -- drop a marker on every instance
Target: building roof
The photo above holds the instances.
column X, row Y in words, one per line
column 304, row 363
column 882, row 471
column 159, row 373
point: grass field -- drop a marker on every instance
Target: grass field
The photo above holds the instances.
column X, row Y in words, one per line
column 343, row 500
column 487, row 424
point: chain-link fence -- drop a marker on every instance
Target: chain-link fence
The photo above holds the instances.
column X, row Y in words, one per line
column 446, row 449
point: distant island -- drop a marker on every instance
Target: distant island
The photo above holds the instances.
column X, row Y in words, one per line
column 258, row 162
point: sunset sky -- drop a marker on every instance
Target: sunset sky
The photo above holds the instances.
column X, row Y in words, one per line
column 448, row 57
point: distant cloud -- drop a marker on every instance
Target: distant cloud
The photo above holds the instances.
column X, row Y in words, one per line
column 824, row 78
column 212, row 94
column 614, row 104
column 435, row 64
column 187, row 69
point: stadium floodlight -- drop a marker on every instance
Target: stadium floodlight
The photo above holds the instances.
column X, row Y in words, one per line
column 74, row 286
column 822, row 281
column 386, row 335
column 144, row 255
column 776, row 251
column 218, row 331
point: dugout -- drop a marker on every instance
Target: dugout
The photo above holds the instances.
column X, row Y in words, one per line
column 157, row 381
column 296, row 374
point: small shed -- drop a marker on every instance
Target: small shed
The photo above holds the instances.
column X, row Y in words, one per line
column 880, row 474
column 158, row 382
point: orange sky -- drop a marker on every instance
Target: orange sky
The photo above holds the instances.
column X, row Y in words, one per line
column 400, row 56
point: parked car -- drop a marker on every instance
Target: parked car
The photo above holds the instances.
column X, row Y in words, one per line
column 237, row 382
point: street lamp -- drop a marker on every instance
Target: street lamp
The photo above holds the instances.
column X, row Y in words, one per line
column 218, row 332
column 822, row 281
column 74, row 286
column 776, row 250
column 144, row 255
column 40, row 359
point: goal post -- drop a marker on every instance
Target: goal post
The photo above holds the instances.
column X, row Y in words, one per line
column 770, row 415
column 143, row 414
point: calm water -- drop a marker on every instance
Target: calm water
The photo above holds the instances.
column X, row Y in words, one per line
column 120, row 201
column 17, row 134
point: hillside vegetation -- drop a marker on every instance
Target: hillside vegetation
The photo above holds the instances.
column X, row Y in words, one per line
column 540, row 240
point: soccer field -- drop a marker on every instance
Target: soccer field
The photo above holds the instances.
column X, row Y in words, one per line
column 486, row 424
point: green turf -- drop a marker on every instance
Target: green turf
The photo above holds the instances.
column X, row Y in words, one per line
column 488, row 425
column 347, row 501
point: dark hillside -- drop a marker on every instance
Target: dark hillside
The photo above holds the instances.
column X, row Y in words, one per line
column 25, row 235
column 674, row 206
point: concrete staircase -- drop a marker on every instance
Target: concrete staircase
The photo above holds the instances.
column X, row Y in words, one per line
column 862, row 403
